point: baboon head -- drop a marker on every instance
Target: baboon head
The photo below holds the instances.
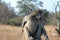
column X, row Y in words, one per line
column 39, row 14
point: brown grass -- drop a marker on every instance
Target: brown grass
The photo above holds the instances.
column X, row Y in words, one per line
column 8, row 32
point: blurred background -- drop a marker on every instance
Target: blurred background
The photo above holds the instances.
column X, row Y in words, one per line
column 12, row 11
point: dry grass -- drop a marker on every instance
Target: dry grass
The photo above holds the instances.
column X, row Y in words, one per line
column 8, row 32
column 52, row 33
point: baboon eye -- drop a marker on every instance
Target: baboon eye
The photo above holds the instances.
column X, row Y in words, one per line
column 39, row 11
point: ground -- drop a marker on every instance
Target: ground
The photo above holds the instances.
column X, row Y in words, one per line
column 8, row 32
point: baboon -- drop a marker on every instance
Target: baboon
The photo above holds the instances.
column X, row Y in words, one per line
column 33, row 26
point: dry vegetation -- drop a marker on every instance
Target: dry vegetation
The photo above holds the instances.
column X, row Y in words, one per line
column 8, row 32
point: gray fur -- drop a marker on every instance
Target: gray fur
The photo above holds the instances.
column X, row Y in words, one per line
column 30, row 25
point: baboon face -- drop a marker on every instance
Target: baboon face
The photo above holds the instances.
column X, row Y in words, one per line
column 39, row 14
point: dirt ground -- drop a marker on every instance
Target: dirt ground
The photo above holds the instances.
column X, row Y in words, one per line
column 8, row 32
